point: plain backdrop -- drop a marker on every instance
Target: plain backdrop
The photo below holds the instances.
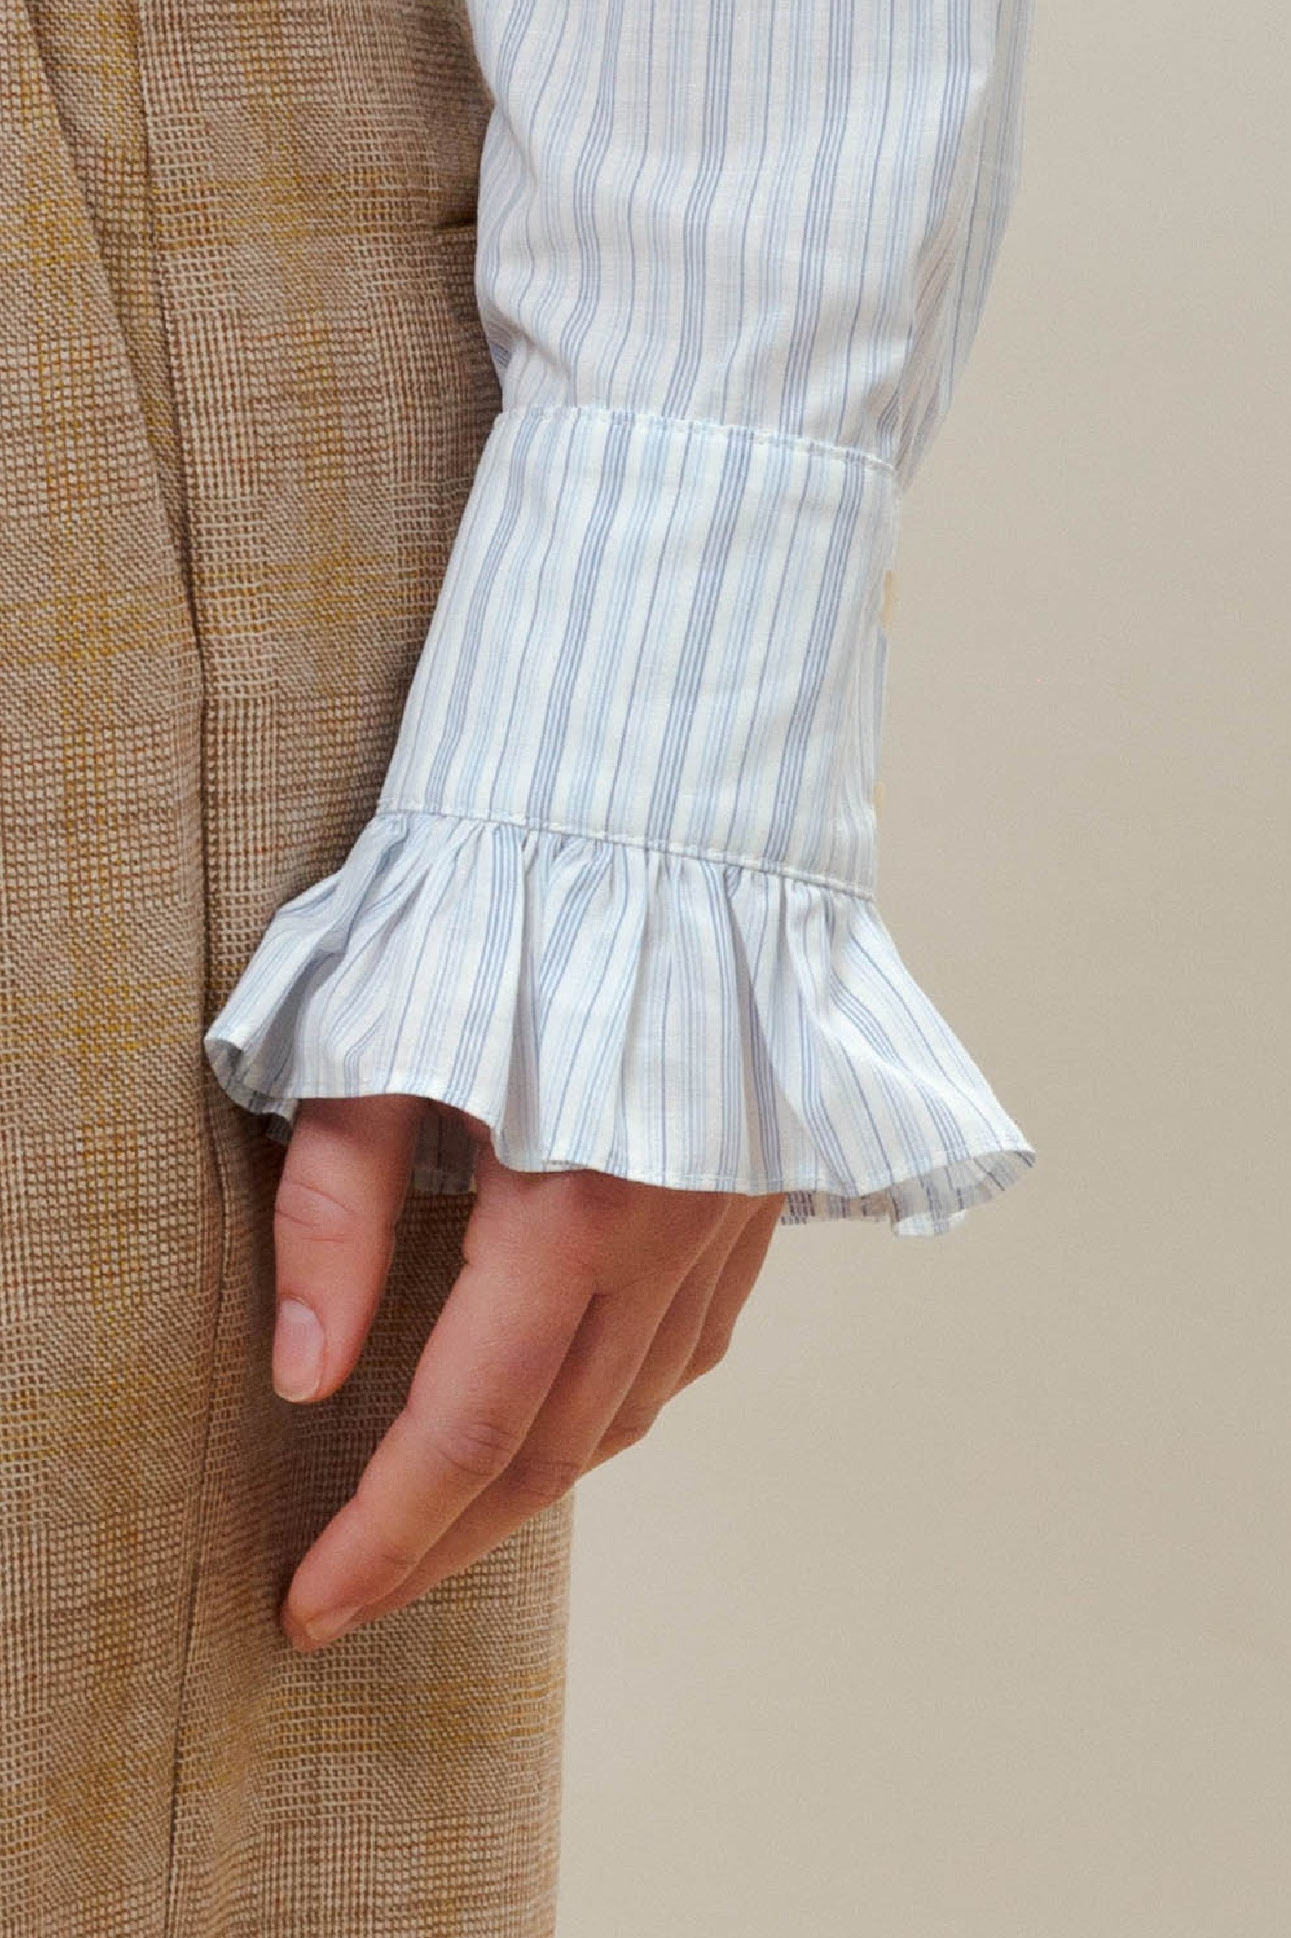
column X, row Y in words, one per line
column 955, row 1603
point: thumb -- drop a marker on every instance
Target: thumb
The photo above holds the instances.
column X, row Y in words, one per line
column 339, row 1198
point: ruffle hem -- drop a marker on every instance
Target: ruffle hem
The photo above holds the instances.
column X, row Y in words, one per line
column 663, row 1016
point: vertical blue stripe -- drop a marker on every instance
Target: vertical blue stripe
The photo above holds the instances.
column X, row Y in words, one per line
column 618, row 897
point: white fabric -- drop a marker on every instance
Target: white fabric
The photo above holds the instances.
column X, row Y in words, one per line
column 617, row 898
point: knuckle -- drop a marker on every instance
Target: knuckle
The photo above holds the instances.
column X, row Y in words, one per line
column 622, row 1235
column 625, row 1285
column 710, row 1353
column 629, row 1427
column 386, row 1548
column 601, row 1191
column 319, row 1213
column 541, row 1479
column 399, row 1557
column 478, row 1449
column 597, row 1210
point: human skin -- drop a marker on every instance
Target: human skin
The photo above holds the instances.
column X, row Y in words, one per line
column 586, row 1303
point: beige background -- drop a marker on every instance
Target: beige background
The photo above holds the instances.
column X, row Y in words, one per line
column 954, row 1605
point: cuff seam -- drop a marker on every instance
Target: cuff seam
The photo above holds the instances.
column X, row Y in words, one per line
column 388, row 810
column 755, row 434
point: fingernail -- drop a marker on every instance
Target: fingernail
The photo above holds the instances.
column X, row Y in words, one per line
column 326, row 1627
column 297, row 1351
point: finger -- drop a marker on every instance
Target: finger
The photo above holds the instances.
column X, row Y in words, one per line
column 674, row 1344
column 539, row 1248
column 495, row 1349
column 615, row 1337
column 739, row 1276
column 339, row 1198
column 498, row 1511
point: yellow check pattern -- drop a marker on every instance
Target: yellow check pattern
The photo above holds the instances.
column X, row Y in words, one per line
column 243, row 391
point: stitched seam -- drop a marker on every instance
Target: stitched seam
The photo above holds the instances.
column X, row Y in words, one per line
column 223, row 1237
column 847, row 454
column 405, row 811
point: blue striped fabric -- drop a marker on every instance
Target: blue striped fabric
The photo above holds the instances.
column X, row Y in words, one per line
column 618, row 896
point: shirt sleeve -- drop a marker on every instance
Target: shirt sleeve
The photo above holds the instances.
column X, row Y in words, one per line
column 618, row 895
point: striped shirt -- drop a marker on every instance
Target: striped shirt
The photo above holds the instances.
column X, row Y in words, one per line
column 618, row 895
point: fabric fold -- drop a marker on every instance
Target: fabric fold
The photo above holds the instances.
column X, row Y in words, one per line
column 674, row 1018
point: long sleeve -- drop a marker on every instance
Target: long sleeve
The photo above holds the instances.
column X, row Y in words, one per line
column 618, row 895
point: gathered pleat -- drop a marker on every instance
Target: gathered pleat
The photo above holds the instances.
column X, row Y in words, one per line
column 665, row 1017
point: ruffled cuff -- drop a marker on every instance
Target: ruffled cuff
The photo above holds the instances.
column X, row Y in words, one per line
column 668, row 1017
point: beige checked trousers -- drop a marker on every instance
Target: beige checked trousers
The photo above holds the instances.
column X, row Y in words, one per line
column 243, row 392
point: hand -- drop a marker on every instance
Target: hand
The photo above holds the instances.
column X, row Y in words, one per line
column 586, row 1302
